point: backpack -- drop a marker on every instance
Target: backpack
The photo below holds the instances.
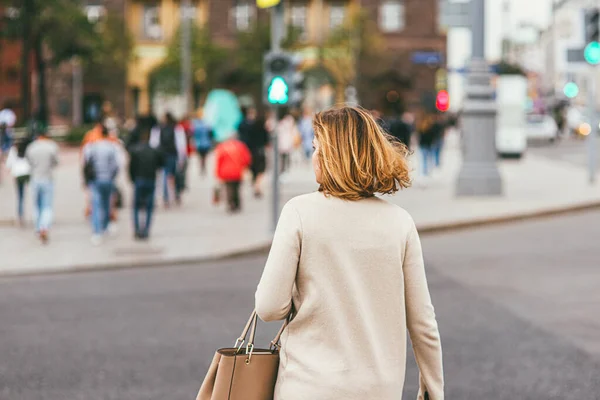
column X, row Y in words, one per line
column 167, row 139
column 89, row 172
column 4, row 137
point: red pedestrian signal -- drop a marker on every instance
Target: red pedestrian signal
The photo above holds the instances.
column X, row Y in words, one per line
column 442, row 101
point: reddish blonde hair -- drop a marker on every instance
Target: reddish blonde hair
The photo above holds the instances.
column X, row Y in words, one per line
column 357, row 158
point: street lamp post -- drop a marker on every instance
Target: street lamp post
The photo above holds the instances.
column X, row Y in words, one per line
column 186, row 57
column 479, row 175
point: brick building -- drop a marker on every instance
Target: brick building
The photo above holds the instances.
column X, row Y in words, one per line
column 10, row 72
column 409, row 27
column 97, row 88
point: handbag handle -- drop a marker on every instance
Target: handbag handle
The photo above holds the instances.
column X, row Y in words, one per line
column 251, row 326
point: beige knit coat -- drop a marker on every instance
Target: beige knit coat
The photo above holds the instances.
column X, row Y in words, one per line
column 353, row 271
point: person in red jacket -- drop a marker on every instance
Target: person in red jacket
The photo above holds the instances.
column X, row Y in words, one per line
column 232, row 158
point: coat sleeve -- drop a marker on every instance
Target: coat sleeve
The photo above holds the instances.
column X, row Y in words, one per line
column 274, row 292
column 421, row 322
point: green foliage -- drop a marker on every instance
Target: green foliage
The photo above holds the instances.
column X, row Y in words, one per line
column 60, row 24
column 58, row 30
column 505, row 68
column 111, row 50
column 76, row 135
column 239, row 68
column 356, row 52
column 208, row 60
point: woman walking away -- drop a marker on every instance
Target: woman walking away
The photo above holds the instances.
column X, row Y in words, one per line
column 349, row 268
column 20, row 169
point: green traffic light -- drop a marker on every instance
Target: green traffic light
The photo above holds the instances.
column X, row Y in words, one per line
column 592, row 53
column 571, row 90
column 278, row 91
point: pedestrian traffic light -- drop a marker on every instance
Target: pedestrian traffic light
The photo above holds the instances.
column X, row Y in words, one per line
column 571, row 90
column 275, row 80
column 592, row 53
column 297, row 81
column 282, row 80
column 278, row 91
column 592, row 25
column 442, row 101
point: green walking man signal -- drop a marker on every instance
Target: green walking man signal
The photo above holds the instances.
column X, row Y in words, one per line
column 278, row 91
column 282, row 79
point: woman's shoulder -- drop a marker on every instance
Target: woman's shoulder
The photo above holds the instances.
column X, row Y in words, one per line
column 308, row 202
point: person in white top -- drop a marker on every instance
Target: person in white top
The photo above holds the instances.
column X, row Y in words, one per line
column 20, row 169
column 286, row 133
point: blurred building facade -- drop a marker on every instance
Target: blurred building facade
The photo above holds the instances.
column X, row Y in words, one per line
column 565, row 35
column 409, row 27
column 11, row 54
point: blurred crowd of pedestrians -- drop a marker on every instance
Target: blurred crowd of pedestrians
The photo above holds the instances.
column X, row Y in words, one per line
column 155, row 154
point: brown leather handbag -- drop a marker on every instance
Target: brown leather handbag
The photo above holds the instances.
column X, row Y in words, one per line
column 243, row 374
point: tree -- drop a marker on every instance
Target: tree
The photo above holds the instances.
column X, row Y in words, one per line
column 356, row 53
column 238, row 69
column 208, row 61
column 245, row 74
column 106, row 66
column 54, row 31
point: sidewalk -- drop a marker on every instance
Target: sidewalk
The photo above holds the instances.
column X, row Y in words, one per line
column 199, row 231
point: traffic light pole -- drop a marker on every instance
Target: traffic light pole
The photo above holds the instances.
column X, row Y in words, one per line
column 277, row 33
column 593, row 136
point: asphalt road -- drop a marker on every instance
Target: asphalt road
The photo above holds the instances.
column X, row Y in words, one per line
column 570, row 150
column 517, row 307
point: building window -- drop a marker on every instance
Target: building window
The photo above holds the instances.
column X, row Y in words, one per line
column 95, row 13
column 189, row 12
column 64, row 107
column 298, row 18
column 12, row 74
column 391, row 16
column 337, row 14
column 152, row 28
column 242, row 16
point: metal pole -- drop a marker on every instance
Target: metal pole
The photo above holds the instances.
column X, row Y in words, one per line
column 592, row 137
column 186, row 56
column 478, row 29
column 277, row 33
column 77, row 93
column 479, row 175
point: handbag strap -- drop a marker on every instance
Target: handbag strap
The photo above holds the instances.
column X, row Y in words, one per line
column 251, row 326
column 242, row 337
column 275, row 342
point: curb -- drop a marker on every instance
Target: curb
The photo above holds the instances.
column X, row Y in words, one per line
column 424, row 230
column 431, row 229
